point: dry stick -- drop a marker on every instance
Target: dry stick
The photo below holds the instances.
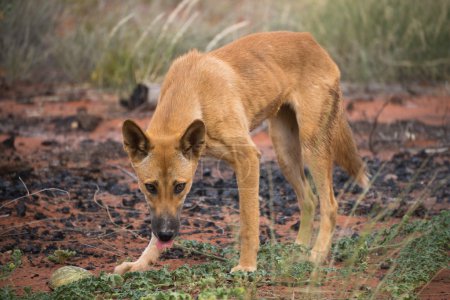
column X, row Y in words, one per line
column 125, row 229
column 375, row 125
column 35, row 193
column 11, row 228
column 22, row 225
column 376, row 248
column 205, row 220
column 98, row 248
column 126, row 172
column 111, row 219
column 28, row 191
column 105, row 206
column 201, row 253
column 113, row 247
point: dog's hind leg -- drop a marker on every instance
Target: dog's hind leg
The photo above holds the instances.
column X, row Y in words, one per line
column 317, row 128
column 320, row 166
column 284, row 132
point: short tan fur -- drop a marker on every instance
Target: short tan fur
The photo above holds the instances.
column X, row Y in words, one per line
column 210, row 102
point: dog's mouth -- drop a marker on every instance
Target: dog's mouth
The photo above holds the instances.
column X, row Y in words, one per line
column 165, row 229
column 161, row 245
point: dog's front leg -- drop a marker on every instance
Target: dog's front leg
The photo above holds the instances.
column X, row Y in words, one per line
column 150, row 255
column 246, row 166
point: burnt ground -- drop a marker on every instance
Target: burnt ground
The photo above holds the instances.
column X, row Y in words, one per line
column 65, row 180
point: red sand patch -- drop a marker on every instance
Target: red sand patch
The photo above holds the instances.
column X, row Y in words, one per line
column 36, row 269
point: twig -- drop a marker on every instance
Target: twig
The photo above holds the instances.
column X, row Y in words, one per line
column 201, row 253
column 104, row 250
column 35, row 193
column 11, row 228
column 284, row 283
column 104, row 206
column 203, row 220
column 126, row 172
column 28, row 191
column 388, row 246
column 375, row 125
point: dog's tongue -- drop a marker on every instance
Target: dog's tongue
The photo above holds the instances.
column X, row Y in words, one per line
column 163, row 245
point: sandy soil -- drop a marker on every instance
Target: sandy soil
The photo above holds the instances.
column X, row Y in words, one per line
column 65, row 183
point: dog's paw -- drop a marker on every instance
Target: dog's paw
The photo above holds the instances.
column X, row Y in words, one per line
column 131, row 267
column 243, row 269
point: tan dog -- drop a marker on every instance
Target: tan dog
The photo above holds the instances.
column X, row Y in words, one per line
column 210, row 102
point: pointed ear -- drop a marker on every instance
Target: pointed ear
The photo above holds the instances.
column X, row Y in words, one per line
column 135, row 142
column 193, row 139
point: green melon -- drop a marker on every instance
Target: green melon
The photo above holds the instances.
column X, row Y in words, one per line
column 66, row 275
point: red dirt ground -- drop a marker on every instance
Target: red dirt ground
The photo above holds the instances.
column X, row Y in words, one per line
column 100, row 253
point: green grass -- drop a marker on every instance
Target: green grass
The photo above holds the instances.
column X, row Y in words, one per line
column 15, row 262
column 61, row 255
column 421, row 248
column 385, row 40
column 371, row 40
column 421, row 258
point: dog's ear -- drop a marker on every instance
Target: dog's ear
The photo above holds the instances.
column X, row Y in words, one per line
column 135, row 142
column 193, row 139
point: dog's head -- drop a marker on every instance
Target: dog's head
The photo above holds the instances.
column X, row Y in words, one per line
column 165, row 167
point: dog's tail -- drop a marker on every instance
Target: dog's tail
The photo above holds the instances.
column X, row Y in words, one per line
column 346, row 154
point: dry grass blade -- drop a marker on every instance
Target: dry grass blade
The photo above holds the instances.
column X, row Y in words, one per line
column 224, row 33
column 36, row 193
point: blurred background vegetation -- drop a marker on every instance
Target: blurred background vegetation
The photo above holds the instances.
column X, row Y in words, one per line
column 114, row 43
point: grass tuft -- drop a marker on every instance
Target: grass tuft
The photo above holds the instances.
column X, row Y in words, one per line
column 60, row 256
column 421, row 258
column 372, row 40
column 9, row 267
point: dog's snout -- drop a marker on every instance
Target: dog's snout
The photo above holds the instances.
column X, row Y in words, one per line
column 165, row 227
column 166, row 235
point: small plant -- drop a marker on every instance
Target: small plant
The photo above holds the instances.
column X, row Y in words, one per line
column 354, row 248
column 167, row 296
column 60, row 256
column 222, row 293
column 421, row 258
column 15, row 262
column 421, row 252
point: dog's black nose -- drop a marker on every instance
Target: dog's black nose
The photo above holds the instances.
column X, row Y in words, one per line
column 165, row 236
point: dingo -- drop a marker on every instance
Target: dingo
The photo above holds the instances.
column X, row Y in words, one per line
column 209, row 103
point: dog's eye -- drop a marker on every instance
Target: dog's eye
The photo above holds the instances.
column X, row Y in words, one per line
column 179, row 187
column 151, row 188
